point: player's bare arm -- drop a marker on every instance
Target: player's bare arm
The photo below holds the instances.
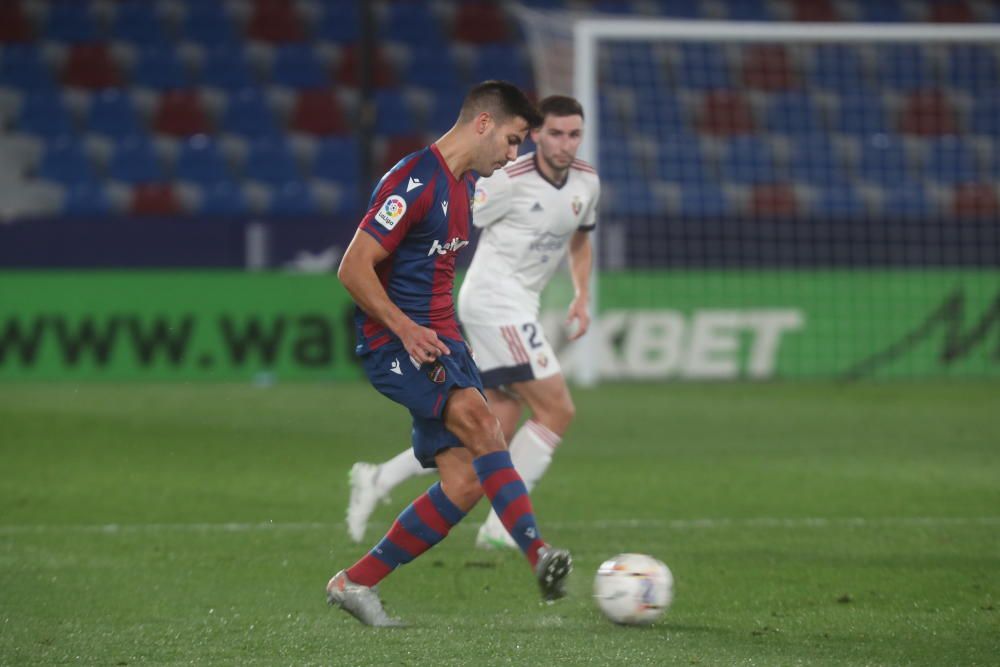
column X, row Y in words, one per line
column 357, row 274
column 580, row 257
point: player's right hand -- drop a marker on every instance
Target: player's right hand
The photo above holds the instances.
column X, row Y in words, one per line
column 422, row 344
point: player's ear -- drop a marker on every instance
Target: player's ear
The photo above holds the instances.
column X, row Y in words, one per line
column 483, row 122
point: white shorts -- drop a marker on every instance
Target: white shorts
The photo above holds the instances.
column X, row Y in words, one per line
column 511, row 353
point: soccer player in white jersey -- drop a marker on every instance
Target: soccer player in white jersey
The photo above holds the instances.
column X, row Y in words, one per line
column 532, row 213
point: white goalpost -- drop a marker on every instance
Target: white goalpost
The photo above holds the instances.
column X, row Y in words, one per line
column 778, row 199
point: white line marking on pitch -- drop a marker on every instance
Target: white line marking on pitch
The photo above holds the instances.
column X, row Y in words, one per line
column 670, row 524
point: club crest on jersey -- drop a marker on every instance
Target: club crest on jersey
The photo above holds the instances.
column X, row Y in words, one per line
column 437, row 373
column 391, row 212
column 577, row 205
column 453, row 245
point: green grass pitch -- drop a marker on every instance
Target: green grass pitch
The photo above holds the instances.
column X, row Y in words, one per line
column 812, row 524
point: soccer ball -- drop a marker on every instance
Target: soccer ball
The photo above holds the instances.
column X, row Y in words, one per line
column 633, row 589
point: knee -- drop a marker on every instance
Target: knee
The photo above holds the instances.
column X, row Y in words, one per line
column 558, row 416
column 463, row 490
column 479, row 430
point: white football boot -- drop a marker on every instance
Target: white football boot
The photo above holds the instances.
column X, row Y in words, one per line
column 359, row 601
column 492, row 535
column 365, row 495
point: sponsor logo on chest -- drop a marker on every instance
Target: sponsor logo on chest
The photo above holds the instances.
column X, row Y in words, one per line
column 453, row 245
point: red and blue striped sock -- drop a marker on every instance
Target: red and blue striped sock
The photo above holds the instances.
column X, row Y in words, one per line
column 420, row 526
column 510, row 499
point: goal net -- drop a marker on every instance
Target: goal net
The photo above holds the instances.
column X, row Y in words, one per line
column 785, row 200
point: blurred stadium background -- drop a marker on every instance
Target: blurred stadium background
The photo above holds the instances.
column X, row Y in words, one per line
column 179, row 178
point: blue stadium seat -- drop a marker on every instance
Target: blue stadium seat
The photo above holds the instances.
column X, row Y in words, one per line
column 972, row 68
column 207, row 23
column 248, row 114
column 21, row 67
column 657, row 110
column 815, row 161
column 839, row 201
column 136, row 21
column 296, row 66
column 444, row 111
column 986, row 115
column 747, row 10
column 748, row 160
column 679, row 9
column 432, row 67
column 340, row 23
column 501, row 61
column 65, row 163
column 226, row 67
column 135, row 161
column 200, row 161
column 680, row 159
column 703, row 67
column 292, row 198
column 635, row 198
column 838, row 68
column 883, row 11
column 112, row 113
column 907, row 199
column 952, row 160
column 707, row 200
column 611, row 7
column 42, row 113
column 792, row 113
column 222, row 199
column 158, row 67
column 70, row 21
column 410, row 22
column 392, row 114
column 84, row 199
column 883, row 161
column 903, row 67
column 270, row 161
column 860, row 114
column 337, row 159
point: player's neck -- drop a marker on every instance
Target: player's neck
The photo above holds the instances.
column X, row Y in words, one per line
column 457, row 154
column 556, row 177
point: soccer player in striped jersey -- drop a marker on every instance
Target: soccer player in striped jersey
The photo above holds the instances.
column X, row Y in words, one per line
column 400, row 270
column 532, row 213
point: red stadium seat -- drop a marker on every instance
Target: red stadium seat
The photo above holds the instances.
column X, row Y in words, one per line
column 725, row 112
column 397, row 148
column 275, row 21
column 976, row 200
column 349, row 70
column 180, row 114
column 480, row 23
column 814, row 10
column 928, row 113
column 91, row 66
column 13, row 26
column 318, row 112
column 773, row 200
column 953, row 11
column 154, row 199
column 767, row 67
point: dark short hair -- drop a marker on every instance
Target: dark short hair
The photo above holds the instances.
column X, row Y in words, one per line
column 503, row 100
column 560, row 105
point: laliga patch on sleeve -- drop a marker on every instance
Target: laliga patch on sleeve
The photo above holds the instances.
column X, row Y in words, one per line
column 479, row 198
column 391, row 212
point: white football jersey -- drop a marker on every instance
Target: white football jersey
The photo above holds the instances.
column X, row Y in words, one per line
column 527, row 224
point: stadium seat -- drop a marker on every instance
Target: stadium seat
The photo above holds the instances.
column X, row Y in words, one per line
column 976, row 200
column 883, row 11
column 746, row 10
column 635, row 199
column 275, row 21
column 396, row 148
column 21, row 67
column 247, row 113
column 656, row 110
column 908, row 199
column 136, row 21
column 480, row 23
column 226, row 67
column 815, row 161
column 207, row 23
column 953, row 11
column 434, row 68
column 318, row 112
column 43, row 114
column 410, row 22
column 338, row 159
column 393, row 115
column 444, row 110
column 154, row 199
column 725, row 112
column 270, row 162
column 680, row 159
column 839, row 201
column 349, row 69
column 65, row 163
column 134, row 161
column 504, row 62
column 676, row 9
column 91, row 66
column 903, row 67
column 112, row 113
column 296, row 66
column 814, row 10
column 292, row 198
column 702, row 67
column 85, row 199
column 972, row 68
column 748, row 160
column 860, row 114
column 70, row 21
column 952, row 160
column 793, row 114
column 883, row 161
column 838, row 68
column 707, row 200
column 928, row 112
column 200, row 161
column 158, row 67
column 180, row 114
column 985, row 118
column 340, row 23
column 14, row 26
column 768, row 67
column 222, row 199
column 773, row 200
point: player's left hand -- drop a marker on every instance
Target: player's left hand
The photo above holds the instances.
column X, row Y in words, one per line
column 580, row 315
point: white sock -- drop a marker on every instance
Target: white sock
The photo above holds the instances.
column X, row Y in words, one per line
column 531, row 451
column 397, row 470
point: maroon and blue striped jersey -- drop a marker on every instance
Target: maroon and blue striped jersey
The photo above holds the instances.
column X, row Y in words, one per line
column 420, row 213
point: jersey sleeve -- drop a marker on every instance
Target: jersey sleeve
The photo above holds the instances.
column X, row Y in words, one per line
column 491, row 200
column 396, row 206
column 589, row 221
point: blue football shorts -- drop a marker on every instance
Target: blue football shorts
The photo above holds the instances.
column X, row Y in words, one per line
column 423, row 390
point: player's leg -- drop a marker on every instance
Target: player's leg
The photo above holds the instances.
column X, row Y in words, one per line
column 371, row 483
